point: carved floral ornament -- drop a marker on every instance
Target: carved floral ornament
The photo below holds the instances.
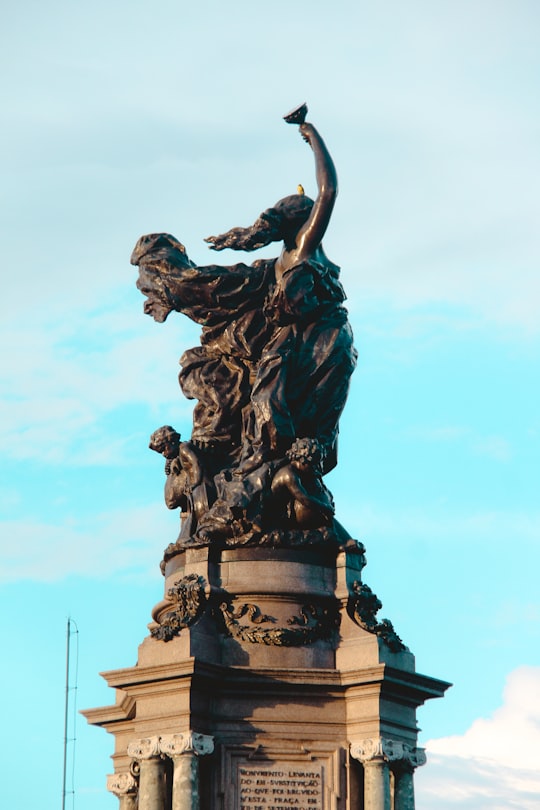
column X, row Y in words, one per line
column 171, row 745
column 192, row 743
column 363, row 606
column 381, row 748
column 188, row 602
column 121, row 783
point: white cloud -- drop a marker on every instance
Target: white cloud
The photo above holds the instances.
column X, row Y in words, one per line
column 456, row 783
column 511, row 736
column 494, row 765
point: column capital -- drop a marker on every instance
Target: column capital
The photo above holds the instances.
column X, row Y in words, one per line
column 188, row 743
column 171, row 745
column 383, row 749
column 146, row 748
column 417, row 757
column 121, row 784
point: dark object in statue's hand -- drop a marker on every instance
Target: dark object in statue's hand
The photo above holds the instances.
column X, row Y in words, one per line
column 298, row 115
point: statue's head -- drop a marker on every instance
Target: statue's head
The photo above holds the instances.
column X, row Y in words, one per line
column 165, row 440
column 158, row 255
column 290, row 213
column 280, row 223
column 306, row 453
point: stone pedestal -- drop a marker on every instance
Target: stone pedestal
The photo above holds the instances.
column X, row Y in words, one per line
column 267, row 683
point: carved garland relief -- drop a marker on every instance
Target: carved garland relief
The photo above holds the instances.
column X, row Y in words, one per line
column 189, row 602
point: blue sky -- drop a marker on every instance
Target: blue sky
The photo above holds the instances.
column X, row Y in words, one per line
column 120, row 119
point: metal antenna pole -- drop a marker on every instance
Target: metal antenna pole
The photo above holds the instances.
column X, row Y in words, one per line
column 66, row 717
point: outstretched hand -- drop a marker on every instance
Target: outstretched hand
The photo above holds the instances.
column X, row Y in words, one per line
column 230, row 239
column 306, row 130
column 217, row 242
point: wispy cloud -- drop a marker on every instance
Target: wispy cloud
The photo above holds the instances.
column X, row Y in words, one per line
column 437, row 202
column 435, row 523
column 439, row 433
column 61, row 381
column 125, row 542
column 497, row 448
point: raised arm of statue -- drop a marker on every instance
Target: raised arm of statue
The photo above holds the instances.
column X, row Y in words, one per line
column 310, row 236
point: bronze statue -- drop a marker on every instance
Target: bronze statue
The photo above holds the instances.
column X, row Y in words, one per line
column 275, row 359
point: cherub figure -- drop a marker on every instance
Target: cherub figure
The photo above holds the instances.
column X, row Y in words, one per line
column 299, row 488
column 185, row 486
column 166, row 440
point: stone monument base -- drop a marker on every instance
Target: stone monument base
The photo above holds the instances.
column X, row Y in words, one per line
column 267, row 683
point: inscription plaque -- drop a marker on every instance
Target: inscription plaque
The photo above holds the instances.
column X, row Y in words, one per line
column 279, row 785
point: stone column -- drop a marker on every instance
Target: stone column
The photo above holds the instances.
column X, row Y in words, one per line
column 376, row 754
column 404, row 785
column 376, row 785
column 124, row 787
column 152, row 773
column 184, row 750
